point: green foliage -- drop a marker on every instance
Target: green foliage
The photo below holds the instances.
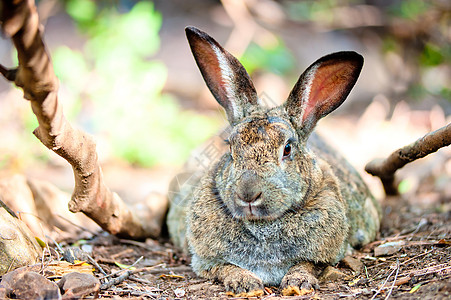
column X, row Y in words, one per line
column 408, row 9
column 114, row 89
column 316, row 10
column 82, row 11
column 405, row 186
column 432, row 55
column 446, row 93
column 272, row 58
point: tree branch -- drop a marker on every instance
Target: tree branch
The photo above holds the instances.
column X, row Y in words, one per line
column 385, row 168
column 36, row 77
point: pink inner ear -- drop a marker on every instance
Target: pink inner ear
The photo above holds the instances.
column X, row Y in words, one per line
column 211, row 69
column 327, row 87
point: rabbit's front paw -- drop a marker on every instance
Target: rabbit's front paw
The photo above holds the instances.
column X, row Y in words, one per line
column 299, row 280
column 242, row 282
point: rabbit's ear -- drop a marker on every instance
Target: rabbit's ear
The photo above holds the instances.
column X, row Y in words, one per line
column 322, row 88
column 226, row 78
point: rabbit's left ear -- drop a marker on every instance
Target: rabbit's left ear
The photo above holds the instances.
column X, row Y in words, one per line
column 226, row 78
column 322, row 88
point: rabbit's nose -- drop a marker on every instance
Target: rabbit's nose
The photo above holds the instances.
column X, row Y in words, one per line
column 249, row 196
column 247, row 189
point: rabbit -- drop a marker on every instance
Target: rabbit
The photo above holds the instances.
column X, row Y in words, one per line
column 279, row 204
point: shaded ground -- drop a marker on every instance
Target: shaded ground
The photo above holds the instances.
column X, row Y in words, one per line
column 418, row 264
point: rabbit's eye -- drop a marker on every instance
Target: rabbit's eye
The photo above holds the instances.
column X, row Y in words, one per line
column 287, row 150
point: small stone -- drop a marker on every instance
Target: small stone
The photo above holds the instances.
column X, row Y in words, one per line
column 388, row 248
column 352, row 263
column 179, row 292
column 24, row 284
column 198, row 287
column 77, row 285
column 332, row 274
column 18, row 246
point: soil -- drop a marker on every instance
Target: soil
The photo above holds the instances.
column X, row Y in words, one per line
column 415, row 262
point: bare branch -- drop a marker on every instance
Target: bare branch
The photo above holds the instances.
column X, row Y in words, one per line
column 36, row 77
column 385, row 168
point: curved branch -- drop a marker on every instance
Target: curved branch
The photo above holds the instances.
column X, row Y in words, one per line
column 36, row 77
column 385, row 168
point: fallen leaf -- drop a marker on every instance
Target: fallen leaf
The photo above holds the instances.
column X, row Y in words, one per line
column 415, row 288
column 171, row 276
column 268, row 290
column 41, row 242
column 354, row 281
column 122, row 266
column 257, row 293
column 296, row 291
column 60, row 268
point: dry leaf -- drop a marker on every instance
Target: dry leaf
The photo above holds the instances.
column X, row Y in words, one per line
column 354, row 281
column 296, row 291
column 61, row 268
column 257, row 293
column 171, row 276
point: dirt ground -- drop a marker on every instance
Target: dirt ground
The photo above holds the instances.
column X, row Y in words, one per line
column 415, row 262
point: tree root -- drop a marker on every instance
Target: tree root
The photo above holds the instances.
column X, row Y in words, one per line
column 36, row 77
column 385, row 168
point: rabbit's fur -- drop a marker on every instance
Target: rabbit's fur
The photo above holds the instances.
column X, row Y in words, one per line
column 280, row 202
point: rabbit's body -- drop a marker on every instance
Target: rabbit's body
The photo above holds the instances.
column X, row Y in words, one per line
column 278, row 203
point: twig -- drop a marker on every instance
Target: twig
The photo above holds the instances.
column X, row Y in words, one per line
column 416, row 256
column 91, row 260
column 140, row 280
column 36, row 77
column 383, row 285
column 116, row 280
column 385, row 169
column 432, row 270
column 122, row 270
column 145, row 269
column 9, row 74
column 138, row 293
column 394, row 280
column 172, row 269
column 123, row 277
column 2, row 204
column 55, row 243
column 11, row 264
column 76, row 225
column 135, row 243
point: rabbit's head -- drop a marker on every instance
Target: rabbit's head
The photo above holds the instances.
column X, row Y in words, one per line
column 269, row 170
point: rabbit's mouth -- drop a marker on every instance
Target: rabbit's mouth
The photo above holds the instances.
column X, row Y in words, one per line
column 253, row 212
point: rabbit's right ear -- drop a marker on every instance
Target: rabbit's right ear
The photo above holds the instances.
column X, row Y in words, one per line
column 322, row 88
column 226, row 78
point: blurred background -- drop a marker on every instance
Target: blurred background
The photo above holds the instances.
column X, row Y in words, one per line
column 128, row 78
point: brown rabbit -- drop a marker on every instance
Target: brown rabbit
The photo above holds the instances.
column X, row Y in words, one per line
column 280, row 202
